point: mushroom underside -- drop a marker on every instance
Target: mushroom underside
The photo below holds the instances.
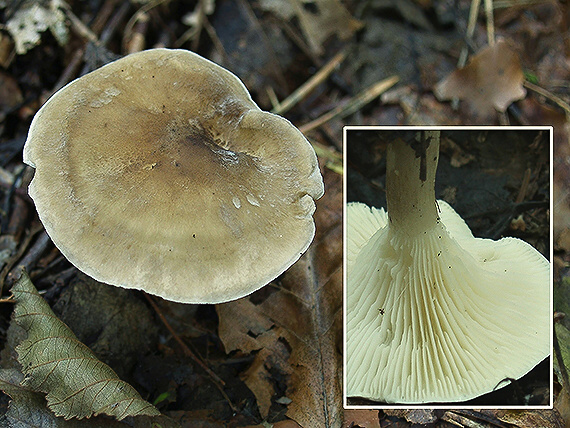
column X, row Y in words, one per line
column 447, row 316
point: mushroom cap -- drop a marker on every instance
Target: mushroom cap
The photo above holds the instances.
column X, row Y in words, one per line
column 447, row 317
column 159, row 172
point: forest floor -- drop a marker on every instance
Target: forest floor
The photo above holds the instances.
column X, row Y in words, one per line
column 274, row 358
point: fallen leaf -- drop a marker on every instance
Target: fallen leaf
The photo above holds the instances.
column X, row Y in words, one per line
column 414, row 416
column 491, row 81
column 319, row 19
column 364, row 418
column 529, row 418
column 77, row 384
column 28, row 408
column 296, row 324
column 562, row 406
column 458, row 156
column 499, row 417
column 27, row 24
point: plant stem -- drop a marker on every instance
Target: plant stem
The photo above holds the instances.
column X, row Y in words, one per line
column 410, row 183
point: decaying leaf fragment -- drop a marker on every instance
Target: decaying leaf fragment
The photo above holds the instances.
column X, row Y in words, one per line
column 297, row 330
column 319, row 19
column 28, row 408
column 53, row 361
column 491, row 81
column 32, row 19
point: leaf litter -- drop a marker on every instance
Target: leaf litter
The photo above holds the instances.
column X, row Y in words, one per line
column 294, row 325
column 53, row 361
column 492, row 80
column 393, row 39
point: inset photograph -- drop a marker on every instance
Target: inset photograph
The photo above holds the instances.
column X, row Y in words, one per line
column 448, row 283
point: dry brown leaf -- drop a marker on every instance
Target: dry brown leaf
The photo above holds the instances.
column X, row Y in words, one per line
column 491, row 81
column 319, row 19
column 414, row 416
column 562, row 406
column 242, row 326
column 297, row 325
column 458, row 156
column 364, row 418
column 528, row 418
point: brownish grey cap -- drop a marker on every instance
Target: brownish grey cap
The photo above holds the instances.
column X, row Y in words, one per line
column 159, row 172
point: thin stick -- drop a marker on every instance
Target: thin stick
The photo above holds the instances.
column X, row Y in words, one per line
column 20, row 253
column 473, row 13
column 333, row 159
column 306, row 88
column 81, row 29
column 549, row 95
column 524, row 186
column 558, row 354
column 353, row 105
column 273, row 98
column 187, row 351
column 490, row 22
column 472, row 21
column 129, row 27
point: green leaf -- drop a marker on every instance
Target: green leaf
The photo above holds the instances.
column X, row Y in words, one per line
column 53, row 361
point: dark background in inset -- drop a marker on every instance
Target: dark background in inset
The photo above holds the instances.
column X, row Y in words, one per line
column 480, row 174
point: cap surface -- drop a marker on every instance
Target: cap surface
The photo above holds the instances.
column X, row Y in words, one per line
column 444, row 318
column 158, row 172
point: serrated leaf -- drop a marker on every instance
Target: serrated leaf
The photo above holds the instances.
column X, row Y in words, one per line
column 77, row 384
column 28, row 408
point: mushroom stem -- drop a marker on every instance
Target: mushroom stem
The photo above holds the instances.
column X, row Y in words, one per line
column 410, row 184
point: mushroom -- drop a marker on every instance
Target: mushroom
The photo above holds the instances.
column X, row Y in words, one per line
column 433, row 313
column 158, row 172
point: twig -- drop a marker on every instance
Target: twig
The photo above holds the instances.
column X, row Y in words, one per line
column 103, row 16
column 113, row 23
column 274, row 64
column 500, row 4
column 187, row 351
column 524, row 187
column 473, row 13
column 549, row 95
column 353, row 105
column 193, row 33
column 332, row 157
column 307, row 87
column 272, row 98
column 137, row 40
column 490, row 22
column 298, row 40
column 558, row 355
column 129, row 27
column 82, row 29
column 21, row 251
column 216, row 40
column 69, row 72
column 35, row 252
